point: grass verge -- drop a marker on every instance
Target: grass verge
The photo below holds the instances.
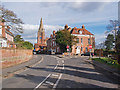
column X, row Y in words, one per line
column 108, row 61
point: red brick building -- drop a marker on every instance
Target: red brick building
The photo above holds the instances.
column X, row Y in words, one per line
column 41, row 41
column 84, row 39
column 52, row 47
column 6, row 37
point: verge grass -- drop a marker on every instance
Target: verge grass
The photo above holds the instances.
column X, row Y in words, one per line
column 108, row 61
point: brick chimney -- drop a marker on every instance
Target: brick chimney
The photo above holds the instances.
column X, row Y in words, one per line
column 83, row 26
column 3, row 29
column 54, row 32
column 66, row 26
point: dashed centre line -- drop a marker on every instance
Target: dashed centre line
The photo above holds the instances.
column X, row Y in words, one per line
column 55, row 75
column 46, row 80
column 55, row 85
column 55, row 66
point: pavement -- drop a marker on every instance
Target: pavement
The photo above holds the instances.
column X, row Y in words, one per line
column 7, row 72
column 61, row 72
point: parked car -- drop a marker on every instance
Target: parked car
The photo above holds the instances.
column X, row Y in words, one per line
column 87, row 54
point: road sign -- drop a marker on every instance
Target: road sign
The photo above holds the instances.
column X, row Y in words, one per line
column 90, row 46
column 67, row 46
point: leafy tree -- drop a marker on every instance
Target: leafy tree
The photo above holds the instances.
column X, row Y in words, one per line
column 64, row 38
column 11, row 20
column 27, row 45
column 118, row 45
column 21, row 44
column 109, row 42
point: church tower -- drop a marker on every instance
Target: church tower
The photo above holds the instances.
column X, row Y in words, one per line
column 41, row 34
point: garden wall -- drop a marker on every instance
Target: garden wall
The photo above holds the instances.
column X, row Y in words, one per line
column 11, row 57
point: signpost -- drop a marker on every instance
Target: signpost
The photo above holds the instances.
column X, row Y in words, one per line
column 68, row 49
column 90, row 47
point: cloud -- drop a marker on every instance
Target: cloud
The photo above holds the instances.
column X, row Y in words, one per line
column 100, row 38
column 30, row 31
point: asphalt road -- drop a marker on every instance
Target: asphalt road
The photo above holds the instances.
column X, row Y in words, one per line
column 54, row 72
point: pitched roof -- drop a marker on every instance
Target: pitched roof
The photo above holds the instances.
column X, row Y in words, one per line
column 84, row 31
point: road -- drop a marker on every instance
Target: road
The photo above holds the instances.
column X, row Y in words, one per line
column 54, row 72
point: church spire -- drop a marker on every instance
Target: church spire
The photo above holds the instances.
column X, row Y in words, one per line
column 41, row 33
column 41, row 24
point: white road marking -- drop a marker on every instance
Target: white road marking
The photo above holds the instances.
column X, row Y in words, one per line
column 55, row 85
column 63, row 66
column 41, row 82
column 55, row 66
column 48, row 82
column 57, row 61
column 62, row 61
column 55, row 75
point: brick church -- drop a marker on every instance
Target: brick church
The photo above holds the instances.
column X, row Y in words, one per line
column 41, row 45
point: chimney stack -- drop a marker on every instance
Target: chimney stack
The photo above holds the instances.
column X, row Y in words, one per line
column 66, row 26
column 83, row 26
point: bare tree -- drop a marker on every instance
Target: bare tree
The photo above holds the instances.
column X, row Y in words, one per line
column 11, row 19
column 113, row 28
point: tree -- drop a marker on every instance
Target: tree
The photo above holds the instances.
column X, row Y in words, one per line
column 64, row 38
column 21, row 44
column 27, row 45
column 118, row 45
column 109, row 41
column 115, row 29
column 11, row 20
column 18, row 38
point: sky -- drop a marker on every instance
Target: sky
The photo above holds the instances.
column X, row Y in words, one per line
column 94, row 16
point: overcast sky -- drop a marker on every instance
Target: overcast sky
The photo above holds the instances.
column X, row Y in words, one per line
column 94, row 15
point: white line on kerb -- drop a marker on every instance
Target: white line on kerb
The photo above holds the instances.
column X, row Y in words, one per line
column 56, row 66
column 55, row 85
column 41, row 82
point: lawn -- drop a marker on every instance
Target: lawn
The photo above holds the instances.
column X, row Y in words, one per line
column 108, row 61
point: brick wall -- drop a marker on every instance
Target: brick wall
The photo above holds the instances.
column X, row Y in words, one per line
column 12, row 57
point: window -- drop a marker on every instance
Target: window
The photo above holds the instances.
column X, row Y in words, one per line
column 11, row 46
column 77, row 40
column 53, row 43
column 89, row 41
column 75, row 31
column 86, row 49
column 81, row 40
column 81, row 49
